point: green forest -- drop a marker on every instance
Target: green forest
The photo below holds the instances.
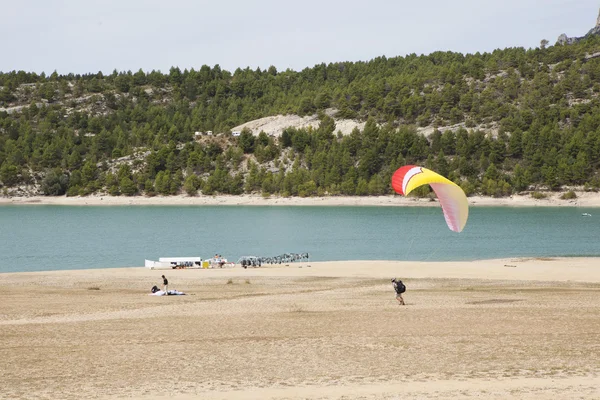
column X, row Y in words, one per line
column 510, row 121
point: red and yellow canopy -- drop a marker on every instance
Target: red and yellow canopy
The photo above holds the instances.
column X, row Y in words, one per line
column 452, row 198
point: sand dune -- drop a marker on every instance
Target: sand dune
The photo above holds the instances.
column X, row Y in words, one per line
column 493, row 329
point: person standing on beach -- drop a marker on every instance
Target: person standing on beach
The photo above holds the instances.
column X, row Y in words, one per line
column 165, row 284
column 400, row 288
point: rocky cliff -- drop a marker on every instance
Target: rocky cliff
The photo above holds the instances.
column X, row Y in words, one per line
column 595, row 31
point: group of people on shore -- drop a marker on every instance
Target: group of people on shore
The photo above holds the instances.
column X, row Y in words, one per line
column 257, row 261
column 219, row 261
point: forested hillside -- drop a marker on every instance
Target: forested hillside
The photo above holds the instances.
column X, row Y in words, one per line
column 499, row 123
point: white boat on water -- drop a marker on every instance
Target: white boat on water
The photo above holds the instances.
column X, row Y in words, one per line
column 586, row 215
column 174, row 263
column 188, row 263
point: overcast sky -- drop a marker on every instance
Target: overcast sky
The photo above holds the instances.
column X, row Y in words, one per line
column 83, row 36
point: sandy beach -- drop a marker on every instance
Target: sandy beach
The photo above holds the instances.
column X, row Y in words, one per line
column 584, row 199
column 492, row 329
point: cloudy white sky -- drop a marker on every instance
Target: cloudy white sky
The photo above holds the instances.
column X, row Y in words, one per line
column 84, row 36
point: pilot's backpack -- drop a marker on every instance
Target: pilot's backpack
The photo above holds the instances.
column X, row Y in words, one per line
column 400, row 287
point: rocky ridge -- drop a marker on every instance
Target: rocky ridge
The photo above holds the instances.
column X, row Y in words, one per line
column 595, row 31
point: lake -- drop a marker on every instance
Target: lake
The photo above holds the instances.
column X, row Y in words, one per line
column 43, row 237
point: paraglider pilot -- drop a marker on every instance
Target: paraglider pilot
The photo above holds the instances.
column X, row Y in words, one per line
column 400, row 288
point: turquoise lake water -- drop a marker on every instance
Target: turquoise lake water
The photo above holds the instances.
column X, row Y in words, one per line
column 37, row 238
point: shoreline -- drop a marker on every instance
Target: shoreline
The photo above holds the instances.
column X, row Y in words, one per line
column 584, row 199
column 536, row 269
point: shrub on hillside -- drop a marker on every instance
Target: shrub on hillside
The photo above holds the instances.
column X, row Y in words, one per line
column 539, row 195
column 570, row 195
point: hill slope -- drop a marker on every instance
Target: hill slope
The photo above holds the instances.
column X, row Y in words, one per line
column 496, row 123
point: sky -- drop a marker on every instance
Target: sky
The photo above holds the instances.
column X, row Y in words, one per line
column 87, row 36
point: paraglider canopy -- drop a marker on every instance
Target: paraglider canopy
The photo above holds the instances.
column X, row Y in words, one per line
column 452, row 198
